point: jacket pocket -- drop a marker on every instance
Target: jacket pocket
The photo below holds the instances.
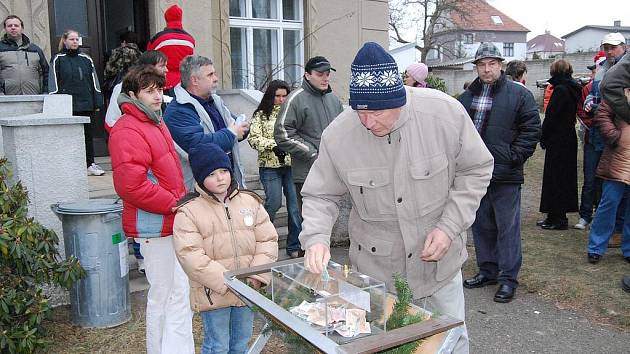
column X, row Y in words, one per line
column 430, row 182
column 372, row 256
column 372, row 193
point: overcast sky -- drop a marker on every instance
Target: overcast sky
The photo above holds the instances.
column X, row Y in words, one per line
column 563, row 16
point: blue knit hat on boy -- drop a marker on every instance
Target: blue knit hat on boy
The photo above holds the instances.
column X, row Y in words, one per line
column 375, row 83
column 205, row 158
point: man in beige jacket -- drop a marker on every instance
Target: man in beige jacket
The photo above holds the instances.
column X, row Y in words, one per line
column 416, row 170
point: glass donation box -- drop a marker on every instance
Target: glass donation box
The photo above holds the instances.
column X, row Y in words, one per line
column 339, row 311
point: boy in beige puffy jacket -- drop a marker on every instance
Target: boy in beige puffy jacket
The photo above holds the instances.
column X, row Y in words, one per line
column 219, row 228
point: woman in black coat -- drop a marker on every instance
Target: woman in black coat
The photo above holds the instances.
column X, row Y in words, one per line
column 73, row 73
column 559, row 189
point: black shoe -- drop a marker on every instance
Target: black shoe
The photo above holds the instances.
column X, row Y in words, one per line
column 627, row 259
column 478, row 281
column 505, row 294
column 594, row 258
column 625, row 283
column 542, row 222
column 558, row 225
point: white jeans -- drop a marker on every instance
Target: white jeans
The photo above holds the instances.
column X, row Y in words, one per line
column 168, row 317
column 449, row 300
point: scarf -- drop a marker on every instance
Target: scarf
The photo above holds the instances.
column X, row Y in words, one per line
column 481, row 105
column 155, row 116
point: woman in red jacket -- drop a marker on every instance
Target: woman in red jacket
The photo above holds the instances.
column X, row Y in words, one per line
column 148, row 178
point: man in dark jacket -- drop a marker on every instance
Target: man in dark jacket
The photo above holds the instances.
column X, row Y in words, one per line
column 506, row 116
column 304, row 116
column 23, row 66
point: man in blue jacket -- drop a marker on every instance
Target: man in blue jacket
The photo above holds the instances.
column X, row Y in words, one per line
column 198, row 116
column 506, row 116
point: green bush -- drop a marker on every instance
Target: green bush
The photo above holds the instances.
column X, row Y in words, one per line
column 436, row 82
column 29, row 257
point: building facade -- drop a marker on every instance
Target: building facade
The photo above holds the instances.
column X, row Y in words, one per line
column 249, row 41
column 589, row 38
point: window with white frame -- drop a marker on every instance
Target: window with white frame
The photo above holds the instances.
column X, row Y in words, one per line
column 266, row 41
column 508, row 49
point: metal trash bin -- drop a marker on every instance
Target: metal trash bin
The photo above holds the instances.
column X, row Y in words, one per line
column 92, row 232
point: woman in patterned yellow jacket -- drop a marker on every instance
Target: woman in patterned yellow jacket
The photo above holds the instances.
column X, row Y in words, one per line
column 274, row 164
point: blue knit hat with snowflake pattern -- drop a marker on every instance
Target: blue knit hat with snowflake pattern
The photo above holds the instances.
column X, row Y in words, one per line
column 375, row 83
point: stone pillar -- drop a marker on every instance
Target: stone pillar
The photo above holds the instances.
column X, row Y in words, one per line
column 46, row 151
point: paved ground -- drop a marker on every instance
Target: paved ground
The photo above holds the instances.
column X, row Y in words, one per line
column 529, row 325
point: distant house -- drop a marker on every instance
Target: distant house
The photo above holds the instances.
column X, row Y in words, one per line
column 589, row 38
column 544, row 46
column 405, row 55
column 481, row 23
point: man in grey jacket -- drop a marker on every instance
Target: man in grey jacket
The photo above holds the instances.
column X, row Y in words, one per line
column 23, row 66
column 416, row 170
column 304, row 116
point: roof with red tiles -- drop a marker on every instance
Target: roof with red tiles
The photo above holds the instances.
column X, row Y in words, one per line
column 545, row 43
column 481, row 16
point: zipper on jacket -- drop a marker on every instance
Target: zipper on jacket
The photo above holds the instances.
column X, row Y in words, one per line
column 26, row 58
column 208, row 292
column 234, row 248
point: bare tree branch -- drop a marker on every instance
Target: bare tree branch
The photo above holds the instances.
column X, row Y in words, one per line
column 431, row 17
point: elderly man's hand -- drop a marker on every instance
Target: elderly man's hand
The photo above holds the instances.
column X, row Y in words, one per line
column 435, row 246
column 316, row 258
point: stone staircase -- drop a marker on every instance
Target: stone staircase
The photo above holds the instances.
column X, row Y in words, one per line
column 281, row 221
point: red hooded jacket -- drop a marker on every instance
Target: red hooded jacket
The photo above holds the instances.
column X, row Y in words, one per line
column 147, row 173
column 174, row 42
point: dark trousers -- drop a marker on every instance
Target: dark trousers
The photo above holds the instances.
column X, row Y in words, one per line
column 592, row 184
column 277, row 181
column 87, row 132
column 497, row 233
